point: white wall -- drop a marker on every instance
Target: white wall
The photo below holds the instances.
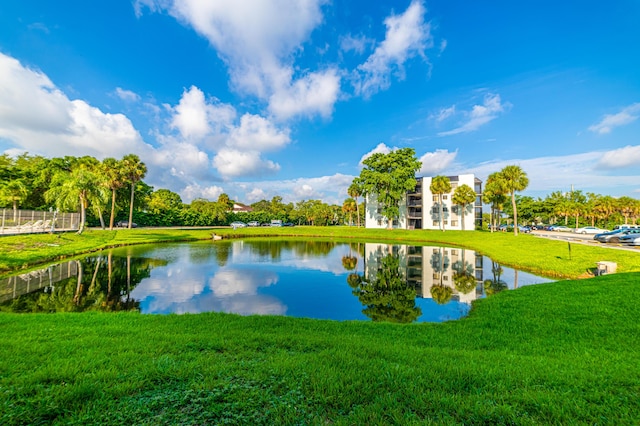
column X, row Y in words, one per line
column 453, row 221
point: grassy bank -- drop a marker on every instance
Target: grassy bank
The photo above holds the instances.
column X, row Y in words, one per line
column 537, row 255
column 561, row 353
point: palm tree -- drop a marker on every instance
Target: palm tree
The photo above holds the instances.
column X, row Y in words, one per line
column 628, row 207
column 134, row 170
column 355, row 191
column 349, row 206
column 440, row 185
column 114, row 180
column 14, row 191
column 80, row 186
column 495, row 194
column 515, row 179
column 463, row 196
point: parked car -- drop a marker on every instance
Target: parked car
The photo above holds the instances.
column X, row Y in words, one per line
column 589, row 230
column 125, row 224
column 238, row 224
column 604, row 236
column 276, row 222
column 631, row 239
column 561, row 228
column 287, row 224
column 253, row 223
column 616, row 235
column 524, row 229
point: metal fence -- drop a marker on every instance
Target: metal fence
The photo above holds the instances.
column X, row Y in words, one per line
column 32, row 221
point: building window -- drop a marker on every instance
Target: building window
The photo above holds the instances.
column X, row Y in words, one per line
column 445, row 278
column 454, row 252
column 436, row 276
column 454, row 185
column 435, row 223
column 435, row 198
column 446, row 222
column 454, row 223
column 444, row 197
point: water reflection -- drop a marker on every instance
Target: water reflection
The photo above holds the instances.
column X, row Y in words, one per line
column 316, row 279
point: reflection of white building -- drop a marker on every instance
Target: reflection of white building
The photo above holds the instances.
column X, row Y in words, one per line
column 427, row 266
column 420, row 208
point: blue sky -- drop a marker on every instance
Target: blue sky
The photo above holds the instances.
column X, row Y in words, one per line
column 257, row 98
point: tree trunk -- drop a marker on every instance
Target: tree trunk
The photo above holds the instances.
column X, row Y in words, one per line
column 357, row 213
column 463, row 209
column 133, row 188
column 515, row 213
column 113, row 208
column 83, row 216
column 101, row 219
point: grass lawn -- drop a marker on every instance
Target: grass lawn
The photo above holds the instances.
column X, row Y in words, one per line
column 560, row 353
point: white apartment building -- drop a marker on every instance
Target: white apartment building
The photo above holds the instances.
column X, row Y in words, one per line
column 420, row 208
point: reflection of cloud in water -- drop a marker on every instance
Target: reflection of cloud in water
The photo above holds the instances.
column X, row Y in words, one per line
column 233, row 281
column 228, row 290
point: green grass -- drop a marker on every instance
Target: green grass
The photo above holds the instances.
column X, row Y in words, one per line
column 561, row 353
column 538, row 255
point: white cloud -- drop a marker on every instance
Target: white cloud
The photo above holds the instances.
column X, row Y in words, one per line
column 330, row 189
column 314, row 93
column 437, row 161
column 256, row 194
column 233, row 163
column 38, row 117
column 622, row 157
column 258, row 39
column 127, row 95
column 195, row 118
column 443, row 114
column 407, row 36
column 381, row 148
column 191, row 192
column 610, row 121
column 357, row 44
column 479, row 115
column 258, row 133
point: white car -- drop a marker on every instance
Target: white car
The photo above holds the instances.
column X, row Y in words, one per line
column 589, row 230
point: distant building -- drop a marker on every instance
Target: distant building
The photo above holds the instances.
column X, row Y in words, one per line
column 241, row 208
column 420, row 208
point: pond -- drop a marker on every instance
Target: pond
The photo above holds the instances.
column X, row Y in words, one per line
column 313, row 279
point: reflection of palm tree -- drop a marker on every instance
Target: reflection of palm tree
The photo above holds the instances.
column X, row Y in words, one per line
column 349, row 262
column 387, row 297
column 354, row 280
column 463, row 278
column 495, row 285
column 441, row 293
column 464, row 283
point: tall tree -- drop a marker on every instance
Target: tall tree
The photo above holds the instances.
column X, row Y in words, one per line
column 14, row 192
column 440, row 185
column 463, row 197
column 79, row 187
column 388, row 177
column 348, row 207
column 134, row 170
column 515, row 179
column 355, row 191
column 114, row 179
column 495, row 194
column 628, row 207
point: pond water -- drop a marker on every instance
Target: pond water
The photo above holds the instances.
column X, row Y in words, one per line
column 314, row 279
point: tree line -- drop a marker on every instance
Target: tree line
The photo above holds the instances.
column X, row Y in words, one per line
column 112, row 190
